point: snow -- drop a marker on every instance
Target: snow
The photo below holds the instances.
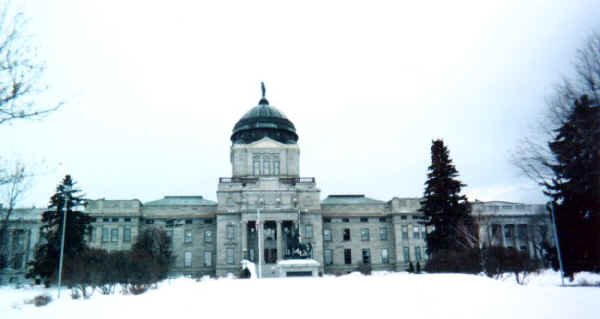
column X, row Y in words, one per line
column 381, row 295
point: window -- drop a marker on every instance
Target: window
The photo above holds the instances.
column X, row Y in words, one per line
column 187, row 236
column 208, row 221
column 346, row 234
column 207, row 259
column 402, row 217
column 188, row 221
column 364, row 219
column 104, row 235
column 406, row 253
column 229, row 257
column 266, row 166
column 418, row 253
column 149, row 221
column 114, row 235
column 170, row 222
column 187, row 259
column 256, row 165
column 229, row 232
column 364, row 234
column 348, row 256
column 326, row 220
column 208, row 236
column 308, row 231
column 251, row 254
column 385, row 259
column 327, row 234
column 496, row 234
column 345, row 220
column 126, row 234
column 522, row 232
column 383, row 233
column 17, row 262
column 423, row 233
column 105, row 220
column 405, row 232
column 366, row 256
column 127, row 219
column 382, row 219
column 115, row 219
column 328, row 256
column 416, row 232
column 276, row 166
column 508, row 231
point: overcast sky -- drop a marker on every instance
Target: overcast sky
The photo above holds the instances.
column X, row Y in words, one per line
column 154, row 88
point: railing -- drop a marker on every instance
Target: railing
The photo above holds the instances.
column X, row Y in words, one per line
column 296, row 180
column 253, row 180
column 243, row 180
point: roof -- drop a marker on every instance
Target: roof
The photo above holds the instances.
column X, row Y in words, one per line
column 262, row 121
column 350, row 199
column 181, row 201
column 23, row 214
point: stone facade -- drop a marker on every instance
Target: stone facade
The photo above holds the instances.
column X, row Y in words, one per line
column 264, row 202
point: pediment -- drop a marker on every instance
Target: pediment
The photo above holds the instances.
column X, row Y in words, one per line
column 266, row 142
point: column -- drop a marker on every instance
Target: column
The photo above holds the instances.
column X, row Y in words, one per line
column 279, row 241
column 502, row 236
column 244, row 231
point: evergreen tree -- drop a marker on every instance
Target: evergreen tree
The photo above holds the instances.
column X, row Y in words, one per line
column 575, row 187
column 444, row 209
column 45, row 263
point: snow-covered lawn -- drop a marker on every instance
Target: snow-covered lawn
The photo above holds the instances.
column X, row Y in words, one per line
column 382, row 295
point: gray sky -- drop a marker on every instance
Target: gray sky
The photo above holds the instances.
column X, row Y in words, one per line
column 153, row 89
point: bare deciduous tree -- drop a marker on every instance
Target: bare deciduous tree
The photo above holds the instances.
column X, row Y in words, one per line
column 532, row 156
column 20, row 71
column 13, row 184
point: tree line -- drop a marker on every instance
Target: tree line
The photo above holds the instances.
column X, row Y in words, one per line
column 86, row 268
column 565, row 162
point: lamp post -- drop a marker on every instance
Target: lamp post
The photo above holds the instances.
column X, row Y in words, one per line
column 67, row 190
column 557, row 243
column 259, row 234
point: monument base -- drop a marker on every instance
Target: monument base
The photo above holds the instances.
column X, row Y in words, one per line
column 298, row 268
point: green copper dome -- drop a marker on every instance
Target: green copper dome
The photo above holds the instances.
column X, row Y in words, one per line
column 262, row 121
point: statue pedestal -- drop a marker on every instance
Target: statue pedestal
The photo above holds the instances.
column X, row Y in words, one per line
column 298, row 268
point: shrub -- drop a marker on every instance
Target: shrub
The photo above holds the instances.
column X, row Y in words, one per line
column 137, row 289
column 464, row 261
column 498, row 260
column 41, row 300
column 365, row 269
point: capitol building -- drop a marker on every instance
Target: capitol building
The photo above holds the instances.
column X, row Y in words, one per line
column 265, row 206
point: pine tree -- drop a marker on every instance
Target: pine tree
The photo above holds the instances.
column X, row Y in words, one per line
column 575, row 187
column 444, row 209
column 45, row 264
